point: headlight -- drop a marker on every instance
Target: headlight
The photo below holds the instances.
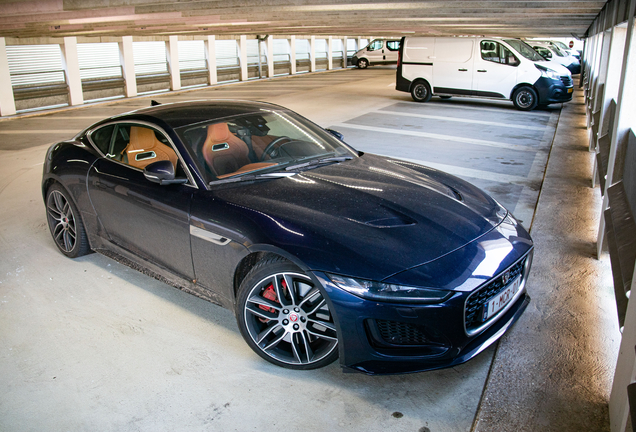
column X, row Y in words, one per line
column 379, row 291
column 548, row 73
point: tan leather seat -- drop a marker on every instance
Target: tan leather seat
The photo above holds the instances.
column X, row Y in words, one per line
column 145, row 148
column 223, row 151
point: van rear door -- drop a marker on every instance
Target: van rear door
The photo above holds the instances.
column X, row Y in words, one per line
column 495, row 70
column 453, row 66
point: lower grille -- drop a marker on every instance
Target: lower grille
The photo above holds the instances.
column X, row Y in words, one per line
column 477, row 300
column 398, row 333
column 566, row 80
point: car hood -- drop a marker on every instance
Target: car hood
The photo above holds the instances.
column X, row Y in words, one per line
column 368, row 217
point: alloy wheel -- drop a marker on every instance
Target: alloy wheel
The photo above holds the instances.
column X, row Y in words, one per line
column 61, row 221
column 289, row 320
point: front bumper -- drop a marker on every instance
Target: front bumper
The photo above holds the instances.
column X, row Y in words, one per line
column 388, row 338
column 553, row 91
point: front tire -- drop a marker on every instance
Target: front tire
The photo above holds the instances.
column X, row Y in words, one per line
column 285, row 318
column 65, row 224
column 525, row 98
column 363, row 63
column 421, row 91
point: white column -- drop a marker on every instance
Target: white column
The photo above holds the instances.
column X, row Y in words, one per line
column 312, row 53
column 127, row 61
column 172, row 55
column 359, row 44
column 329, row 53
column 210, row 56
column 292, row 54
column 270, row 56
column 7, row 103
column 72, row 71
column 243, row 57
column 344, row 52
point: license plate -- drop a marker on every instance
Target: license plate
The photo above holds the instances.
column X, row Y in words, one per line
column 501, row 299
column 570, row 90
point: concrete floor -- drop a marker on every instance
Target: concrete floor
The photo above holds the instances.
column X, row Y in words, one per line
column 90, row 344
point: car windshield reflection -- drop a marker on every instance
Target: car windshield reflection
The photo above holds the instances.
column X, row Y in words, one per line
column 260, row 143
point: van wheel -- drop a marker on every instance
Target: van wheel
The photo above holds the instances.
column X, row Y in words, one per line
column 525, row 98
column 363, row 63
column 421, row 92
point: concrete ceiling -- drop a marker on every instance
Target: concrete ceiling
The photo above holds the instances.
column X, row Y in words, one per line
column 57, row 18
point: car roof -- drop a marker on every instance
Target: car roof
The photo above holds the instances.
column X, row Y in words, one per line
column 180, row 114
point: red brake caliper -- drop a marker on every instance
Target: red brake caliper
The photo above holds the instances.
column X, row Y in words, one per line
column 270, row 294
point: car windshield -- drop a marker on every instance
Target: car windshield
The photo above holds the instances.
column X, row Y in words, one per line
column 524, row 49
column 262, row 142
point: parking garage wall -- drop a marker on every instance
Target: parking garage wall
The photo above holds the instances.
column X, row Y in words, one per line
column 609, row 81
column 40, row 78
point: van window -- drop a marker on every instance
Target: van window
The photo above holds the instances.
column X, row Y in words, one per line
column 375, row 45
column 453, row 50
column 545, row 53
column 497, row 53
column 393, row 45
column 524, row 49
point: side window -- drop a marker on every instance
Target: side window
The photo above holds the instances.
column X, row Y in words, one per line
column 375, row 45
column 102, row 137
column 139, row 146
column 497, row 53
column 393, row 45
column 544, row 52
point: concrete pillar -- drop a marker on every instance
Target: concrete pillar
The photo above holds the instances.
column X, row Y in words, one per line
column 358, row 43
column 70, row 63
column 292, row 54
column 7, row 103
column 172, row 55
column 329, row 53
column 243, row 57
column 127, row 61
column 312, row 53
column 344, row 52
column 270, row 56
column 210, row 56
column 613, row 70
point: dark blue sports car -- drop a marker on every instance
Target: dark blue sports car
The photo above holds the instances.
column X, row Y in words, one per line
column 320, row 250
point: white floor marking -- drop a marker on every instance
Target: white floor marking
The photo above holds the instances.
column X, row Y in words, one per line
column 437, row 136
column 461, row 120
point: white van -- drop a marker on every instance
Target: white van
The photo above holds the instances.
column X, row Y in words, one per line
column 379, row 51
column 481, row 67
column 562, row 57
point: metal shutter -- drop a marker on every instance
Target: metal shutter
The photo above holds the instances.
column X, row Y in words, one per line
column 150, row 57
column 35, row 64
column 99, row 60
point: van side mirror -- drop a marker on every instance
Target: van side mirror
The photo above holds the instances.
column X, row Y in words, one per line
column 162, row 172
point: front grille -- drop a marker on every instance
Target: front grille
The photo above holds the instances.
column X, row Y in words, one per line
column 566, row 80
column 477, row 300
column 398, row 333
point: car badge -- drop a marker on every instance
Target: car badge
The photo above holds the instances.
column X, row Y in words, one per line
column 293, row 317
column 506, row 277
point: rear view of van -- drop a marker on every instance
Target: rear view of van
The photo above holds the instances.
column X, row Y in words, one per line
column 480, row 67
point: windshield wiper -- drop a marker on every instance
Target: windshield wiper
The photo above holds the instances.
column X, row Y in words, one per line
column 250, row 177
column 315, row 162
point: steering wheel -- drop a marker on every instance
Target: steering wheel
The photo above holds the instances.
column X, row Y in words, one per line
column 270, row 147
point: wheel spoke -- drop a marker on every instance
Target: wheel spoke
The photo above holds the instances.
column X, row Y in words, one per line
column 295, row 350
column 290, row 288
column 321, row 335
column 58, row 232
column 318, row 306
column 262, row 335
column 54, row 213
column 311, row 294
column 279, row 291
column 308, row 350
column 68, row 241
column 59, row 201
column 260, row 312
column 258, row 300
column 275, row 342
column 330, row 326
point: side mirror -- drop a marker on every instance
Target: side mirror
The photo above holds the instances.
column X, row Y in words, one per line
column 162, row 172
column 336, row 134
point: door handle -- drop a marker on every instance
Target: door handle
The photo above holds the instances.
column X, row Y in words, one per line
column 463, row 70
column 482, row 70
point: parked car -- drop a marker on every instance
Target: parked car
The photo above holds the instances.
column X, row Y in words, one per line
column 379, row 51
column 321, row 251
column 480, row 67
column 557, row 54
